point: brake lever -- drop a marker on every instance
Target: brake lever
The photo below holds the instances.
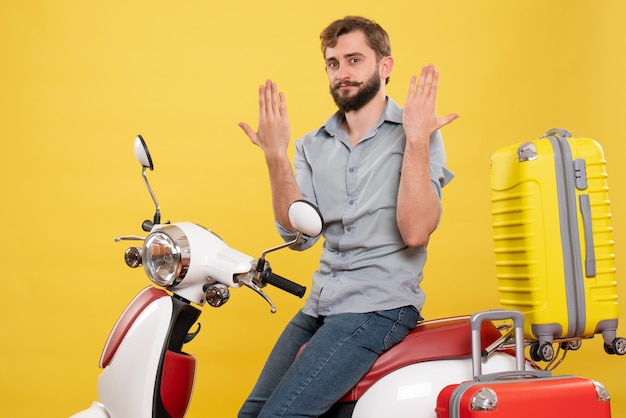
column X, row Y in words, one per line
column 247, row 281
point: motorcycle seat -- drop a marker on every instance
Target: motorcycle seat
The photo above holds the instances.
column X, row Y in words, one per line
column 448, row 338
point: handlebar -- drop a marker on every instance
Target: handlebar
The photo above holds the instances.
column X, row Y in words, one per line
column 280, row 282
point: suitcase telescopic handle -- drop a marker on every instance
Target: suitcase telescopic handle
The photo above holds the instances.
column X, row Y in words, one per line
column 476, row 322
column 558, row 132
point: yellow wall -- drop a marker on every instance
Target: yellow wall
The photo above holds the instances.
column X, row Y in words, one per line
column 79, row 79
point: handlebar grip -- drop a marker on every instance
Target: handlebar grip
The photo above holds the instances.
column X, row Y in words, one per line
column 284, row 284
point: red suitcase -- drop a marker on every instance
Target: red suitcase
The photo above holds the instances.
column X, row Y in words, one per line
column 520, row 393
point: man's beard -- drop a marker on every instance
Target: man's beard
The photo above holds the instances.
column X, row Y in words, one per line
column 366, row 92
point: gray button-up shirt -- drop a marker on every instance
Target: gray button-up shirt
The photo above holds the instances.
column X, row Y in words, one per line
column 365, row 265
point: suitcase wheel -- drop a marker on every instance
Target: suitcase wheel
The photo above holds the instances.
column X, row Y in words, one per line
column 618, row 346
column 571, row 345
column 541, row 351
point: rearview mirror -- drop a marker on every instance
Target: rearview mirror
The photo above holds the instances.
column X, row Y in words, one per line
column 306, row 218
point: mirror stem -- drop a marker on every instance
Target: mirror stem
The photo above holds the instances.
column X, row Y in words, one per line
column 157, row 214
column 261, row 261
column 278, row 247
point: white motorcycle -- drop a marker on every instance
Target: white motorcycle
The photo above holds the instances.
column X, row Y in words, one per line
column 146, row 373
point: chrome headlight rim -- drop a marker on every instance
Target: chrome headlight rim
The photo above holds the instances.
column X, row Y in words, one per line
column 170, row 266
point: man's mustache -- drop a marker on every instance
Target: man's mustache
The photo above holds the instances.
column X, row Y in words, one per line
column 347, row 83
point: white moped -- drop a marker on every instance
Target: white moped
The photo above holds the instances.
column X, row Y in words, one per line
column 146, row 373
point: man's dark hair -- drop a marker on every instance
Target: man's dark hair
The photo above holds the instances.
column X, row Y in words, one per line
column 376, row 36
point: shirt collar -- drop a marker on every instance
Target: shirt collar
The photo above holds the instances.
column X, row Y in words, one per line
column 392, row 113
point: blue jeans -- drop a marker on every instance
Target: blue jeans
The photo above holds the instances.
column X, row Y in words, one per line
column 339, row 350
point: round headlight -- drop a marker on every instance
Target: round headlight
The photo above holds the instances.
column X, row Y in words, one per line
column 166, row 256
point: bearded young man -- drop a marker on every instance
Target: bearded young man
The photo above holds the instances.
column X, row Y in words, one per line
column 376, row 173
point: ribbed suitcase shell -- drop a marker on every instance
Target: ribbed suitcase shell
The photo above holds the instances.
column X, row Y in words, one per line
column 555, row 261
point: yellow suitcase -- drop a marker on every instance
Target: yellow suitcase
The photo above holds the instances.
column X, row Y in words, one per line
column 553, row 241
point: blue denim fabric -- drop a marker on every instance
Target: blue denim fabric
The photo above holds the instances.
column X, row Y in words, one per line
column 339, row 350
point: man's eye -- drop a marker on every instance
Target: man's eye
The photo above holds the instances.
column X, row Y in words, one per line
column 355, row 60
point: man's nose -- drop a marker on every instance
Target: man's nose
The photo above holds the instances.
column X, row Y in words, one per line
column 343, row 73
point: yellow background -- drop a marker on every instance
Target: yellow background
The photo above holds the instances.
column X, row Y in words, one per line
column 79, row 79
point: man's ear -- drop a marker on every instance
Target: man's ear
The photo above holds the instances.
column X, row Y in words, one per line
column 386, row 65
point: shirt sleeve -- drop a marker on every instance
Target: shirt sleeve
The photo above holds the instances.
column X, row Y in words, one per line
column 439, row 173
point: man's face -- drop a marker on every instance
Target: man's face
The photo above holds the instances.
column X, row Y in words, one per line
column 353, row 72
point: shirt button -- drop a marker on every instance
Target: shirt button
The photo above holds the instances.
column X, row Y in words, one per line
column 351, row 202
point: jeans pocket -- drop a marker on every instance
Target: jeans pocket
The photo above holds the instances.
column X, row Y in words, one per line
column 405, row 320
